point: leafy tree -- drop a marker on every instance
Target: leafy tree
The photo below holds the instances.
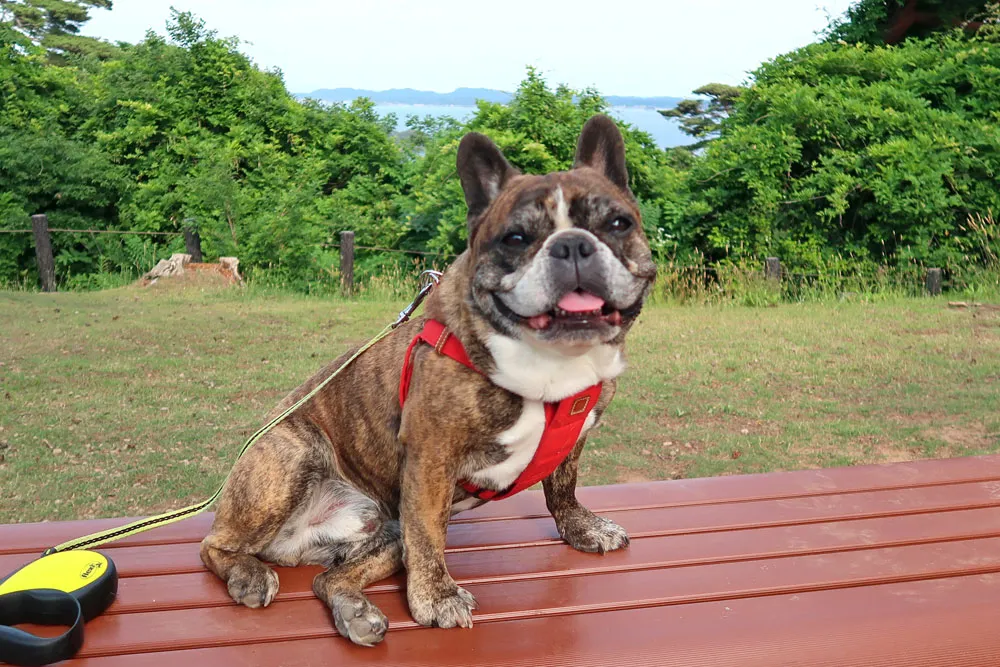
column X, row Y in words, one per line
column 46, row 164
column 186, row 129
column 210, row 137
column 702, row 122
column 890, row 21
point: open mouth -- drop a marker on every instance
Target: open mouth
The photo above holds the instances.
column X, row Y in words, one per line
column 577, row 310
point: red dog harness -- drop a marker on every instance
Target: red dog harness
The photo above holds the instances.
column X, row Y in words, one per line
column 563, row 420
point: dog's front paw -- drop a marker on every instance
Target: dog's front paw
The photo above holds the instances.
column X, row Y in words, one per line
column 252, row 584
column 358, row 619
column 585, row 531
column 451, row 606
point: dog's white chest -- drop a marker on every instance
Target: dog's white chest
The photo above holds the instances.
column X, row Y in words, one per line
column 548, row 374
column 520, row 442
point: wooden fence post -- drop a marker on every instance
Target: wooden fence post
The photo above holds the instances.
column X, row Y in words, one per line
column 43, row 252
column 933, row 281
column 347, row 263
column 772, row 269
column 192, row 243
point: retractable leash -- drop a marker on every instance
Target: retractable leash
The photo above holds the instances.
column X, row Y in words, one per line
column 70, row 585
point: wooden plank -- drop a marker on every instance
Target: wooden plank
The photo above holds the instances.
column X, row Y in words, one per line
column 194, row 628
column 920, row 624
column 754, row 487
column 183, row 557
column 32, row 538
column 203, row 589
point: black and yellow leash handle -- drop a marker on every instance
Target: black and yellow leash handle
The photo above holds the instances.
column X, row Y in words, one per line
column 67, row 589
column 69, row 585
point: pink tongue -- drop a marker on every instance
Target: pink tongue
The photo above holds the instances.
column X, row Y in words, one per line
column 577, row 302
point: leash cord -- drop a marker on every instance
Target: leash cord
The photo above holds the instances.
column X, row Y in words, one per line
column 112, row 534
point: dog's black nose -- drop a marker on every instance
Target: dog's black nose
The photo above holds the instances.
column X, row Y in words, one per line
column 574, row 248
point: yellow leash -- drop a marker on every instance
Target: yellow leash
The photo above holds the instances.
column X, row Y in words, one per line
column 149, row 523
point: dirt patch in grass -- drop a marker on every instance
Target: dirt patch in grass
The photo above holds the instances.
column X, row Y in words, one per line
column 667, row 460
column 917, row 418
column 825, row 450
column 884, row 451
column 964, row 436
column 258, row 398
column 632, row 477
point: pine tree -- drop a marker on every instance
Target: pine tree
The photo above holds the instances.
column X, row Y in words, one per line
column 55, row 25
column 702, row 122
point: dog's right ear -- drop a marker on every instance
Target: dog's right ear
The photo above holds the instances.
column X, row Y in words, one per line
column 483, row 170
column 602, row 147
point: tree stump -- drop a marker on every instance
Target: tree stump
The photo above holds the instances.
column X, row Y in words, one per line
column 169, row 267
column 230, row 268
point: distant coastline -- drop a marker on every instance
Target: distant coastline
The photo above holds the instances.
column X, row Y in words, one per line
column 465, row 97
column 460, row 104
column 665, row 131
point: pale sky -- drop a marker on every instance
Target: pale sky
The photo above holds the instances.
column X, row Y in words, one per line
column 622, row 47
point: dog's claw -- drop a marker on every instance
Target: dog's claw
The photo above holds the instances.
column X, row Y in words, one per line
column 594, row 534
column 358, row 619
column 449, row 611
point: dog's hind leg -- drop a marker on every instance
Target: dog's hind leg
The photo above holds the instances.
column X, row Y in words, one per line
column 358, row 565
column 264, row 489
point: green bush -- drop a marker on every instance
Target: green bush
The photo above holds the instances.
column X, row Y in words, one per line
column 865, row 152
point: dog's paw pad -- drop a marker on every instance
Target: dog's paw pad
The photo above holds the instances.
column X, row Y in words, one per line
column 253, row 587
column 358, row 619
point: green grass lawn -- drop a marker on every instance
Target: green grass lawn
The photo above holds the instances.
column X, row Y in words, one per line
column 135, row 400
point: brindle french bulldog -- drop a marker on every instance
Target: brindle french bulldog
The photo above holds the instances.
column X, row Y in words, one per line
column 555, row 274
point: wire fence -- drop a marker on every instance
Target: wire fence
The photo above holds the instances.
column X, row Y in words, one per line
column 425, row 253
column 772, row 269
column 93, row 231
column 715, row 271
column 404, row 251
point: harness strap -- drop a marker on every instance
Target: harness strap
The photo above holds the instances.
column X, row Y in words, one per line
column 439, row 337
column 564, row 420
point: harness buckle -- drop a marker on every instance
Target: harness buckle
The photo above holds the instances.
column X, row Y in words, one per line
column 433, row 278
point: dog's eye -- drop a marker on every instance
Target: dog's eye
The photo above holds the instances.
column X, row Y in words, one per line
column 619, row 225
column 516, row 240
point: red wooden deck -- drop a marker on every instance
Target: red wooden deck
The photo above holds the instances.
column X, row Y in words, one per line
column 881, row 565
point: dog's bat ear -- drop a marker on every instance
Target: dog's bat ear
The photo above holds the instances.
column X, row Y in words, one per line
column 483, row 170
column 601, row 147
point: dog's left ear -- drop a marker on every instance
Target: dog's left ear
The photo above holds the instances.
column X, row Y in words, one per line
column 483, row 170
column 602, row 147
